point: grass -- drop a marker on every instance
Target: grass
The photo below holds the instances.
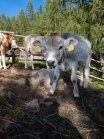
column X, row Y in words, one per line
column 99, row 84
column 3, row 111
column 95, row 82
column 42, row 64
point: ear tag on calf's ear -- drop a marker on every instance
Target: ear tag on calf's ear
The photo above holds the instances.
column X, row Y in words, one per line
column 70, row 47
column 37, row 49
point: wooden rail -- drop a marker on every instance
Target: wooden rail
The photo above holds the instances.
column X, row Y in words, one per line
column 6, row 31
column 42, row 58
column 19, row 35
column 92, row 76
column 95, row 60
column 95, row 69
column 12, row 33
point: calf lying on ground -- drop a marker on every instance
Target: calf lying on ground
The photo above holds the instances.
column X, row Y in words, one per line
column 68, row 52
column 33, row 47
column 43, row 77
column 46, row 78
column 6, row 44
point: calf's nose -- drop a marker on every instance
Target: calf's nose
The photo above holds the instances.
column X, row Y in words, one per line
column 50, row 62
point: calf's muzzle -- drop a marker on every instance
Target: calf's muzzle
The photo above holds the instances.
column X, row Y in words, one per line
column 50, row 63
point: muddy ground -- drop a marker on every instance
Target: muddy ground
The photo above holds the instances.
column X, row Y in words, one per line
column 65, row 118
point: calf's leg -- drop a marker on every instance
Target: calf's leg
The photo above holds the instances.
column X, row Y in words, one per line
column 86, row 75
column 4, row 64
column 74, row 80
column 0, row 62
column 32, row 64
column 26, row 57
column 55, row 80
column 82, row 75
column 87, row 72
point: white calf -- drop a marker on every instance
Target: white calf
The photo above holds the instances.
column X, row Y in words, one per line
column 68, row 52
column 33, row 48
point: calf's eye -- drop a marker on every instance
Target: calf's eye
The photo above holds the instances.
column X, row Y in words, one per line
column 60, row 47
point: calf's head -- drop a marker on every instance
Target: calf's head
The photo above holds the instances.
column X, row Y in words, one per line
column 56, row 49
column 13, row 44
column 37, row 45
column 11, row 41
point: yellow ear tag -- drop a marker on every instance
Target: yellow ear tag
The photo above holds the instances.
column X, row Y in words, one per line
column 70, row 47
column 37, row 49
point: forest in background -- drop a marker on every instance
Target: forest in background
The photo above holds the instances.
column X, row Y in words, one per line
column 80, row 17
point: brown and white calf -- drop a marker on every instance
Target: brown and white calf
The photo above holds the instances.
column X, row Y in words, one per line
column 2, row 38
column 6, row 43
column 33, row 47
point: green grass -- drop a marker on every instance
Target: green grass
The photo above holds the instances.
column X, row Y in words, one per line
column 93, row 72
column 42, row 64
column 3, row 111
column 17, row 113
column 99, row 84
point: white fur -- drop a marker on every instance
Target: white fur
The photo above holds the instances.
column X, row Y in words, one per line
column 3, row 59
column 79, row 56
column 55, row 79
column 28, row 43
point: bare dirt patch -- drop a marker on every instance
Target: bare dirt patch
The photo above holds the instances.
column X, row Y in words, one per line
column 65, row 118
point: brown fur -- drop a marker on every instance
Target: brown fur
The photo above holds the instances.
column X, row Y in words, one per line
column 3, row 38
column 7, row 44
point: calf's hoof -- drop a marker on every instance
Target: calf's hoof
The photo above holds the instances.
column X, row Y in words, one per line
column 50, row 94
column 26, row 68
column 76, row 93
column 77, row 99
column 33, row 68
column 85, row 84
column 81, row 84
column 5, row 68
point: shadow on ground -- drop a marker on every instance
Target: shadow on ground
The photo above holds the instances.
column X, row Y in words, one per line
column 66, row 118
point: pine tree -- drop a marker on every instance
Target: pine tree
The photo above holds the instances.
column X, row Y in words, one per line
column 22, row 23
column 30, row 11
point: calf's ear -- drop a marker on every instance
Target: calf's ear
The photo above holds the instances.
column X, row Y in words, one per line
column 70, row 40
column 39, row 43
column 43, row 43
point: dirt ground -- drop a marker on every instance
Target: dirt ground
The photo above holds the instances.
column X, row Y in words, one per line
column 66, row 118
